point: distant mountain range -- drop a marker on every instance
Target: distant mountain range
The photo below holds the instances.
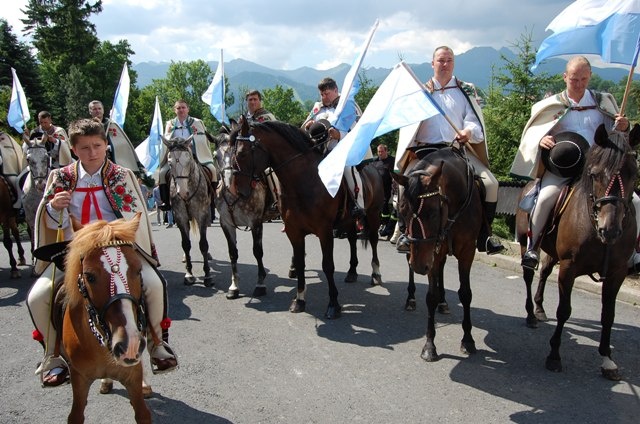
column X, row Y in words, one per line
column 473, row 66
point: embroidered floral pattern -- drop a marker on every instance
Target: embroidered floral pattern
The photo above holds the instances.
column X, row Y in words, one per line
column 119, row 194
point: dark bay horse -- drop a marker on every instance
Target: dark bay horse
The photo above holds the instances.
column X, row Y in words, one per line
column 240, row 212
column 103, row 322
column 442, row 209
column 38, row 160
column 306, row 206
column 595, row 233
column 190, row 201
column 9, row 224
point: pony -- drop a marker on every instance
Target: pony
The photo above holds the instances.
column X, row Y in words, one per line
column 237, row 211
column 9, row 225
column 103, row 319
column 190, row 201
column 38, row 160
column 305, row 204
column 442, row 208
column 594, row 233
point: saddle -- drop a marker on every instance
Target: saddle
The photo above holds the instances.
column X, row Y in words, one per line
column 558, row 209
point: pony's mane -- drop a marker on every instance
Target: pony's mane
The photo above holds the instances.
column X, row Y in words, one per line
column 605, row 159
column 294, row 135
column 87, row 239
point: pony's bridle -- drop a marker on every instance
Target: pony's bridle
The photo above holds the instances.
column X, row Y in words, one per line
column 38, row 177
column 183, row 148
column 97, row 323
column 596, row 204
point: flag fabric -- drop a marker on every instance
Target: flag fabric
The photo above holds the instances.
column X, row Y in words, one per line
column 609, row 28
column 121, row 99
column 214, row 96
column 18, row 115
column 149, row 150
column 400, row 100
column 346, row 112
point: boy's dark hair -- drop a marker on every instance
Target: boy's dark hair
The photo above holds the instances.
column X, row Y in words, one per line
column 84, row 127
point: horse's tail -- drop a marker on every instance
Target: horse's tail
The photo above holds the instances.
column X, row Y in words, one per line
column 195, row 228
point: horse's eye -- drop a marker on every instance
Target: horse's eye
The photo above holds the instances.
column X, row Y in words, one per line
column 89, row 277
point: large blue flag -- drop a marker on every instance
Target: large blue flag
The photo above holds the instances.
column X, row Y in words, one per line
column 18, row 115
column 347, row 111
column 609, row 28
column 149, row 150
column 400, row 100
column 121, row 99
column 214, row 96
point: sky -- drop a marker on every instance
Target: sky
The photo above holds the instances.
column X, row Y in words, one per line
column 289, row 34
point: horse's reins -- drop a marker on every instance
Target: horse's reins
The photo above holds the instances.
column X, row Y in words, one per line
column 96, row 319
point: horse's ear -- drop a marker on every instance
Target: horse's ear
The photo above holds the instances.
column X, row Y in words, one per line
column 245, row 126
column 634, row 135
column 165, row 141
column 403, row 180
column 601, row 138
column 136, row 218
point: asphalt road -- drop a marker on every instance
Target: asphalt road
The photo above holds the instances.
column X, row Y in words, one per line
column 251, row 361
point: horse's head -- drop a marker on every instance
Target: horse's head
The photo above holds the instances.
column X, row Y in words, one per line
column 104, row 278
column 39, row 161
column 250, row 159
column 181, row 163
column 224, row 155
column 424, row 208
column 608, row 179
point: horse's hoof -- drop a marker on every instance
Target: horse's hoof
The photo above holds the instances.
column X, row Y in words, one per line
column 208, row 281
column 147, row 392
column 16, row 274
column 468, row 348
column 233, row 294
column 429, row 355
column 351, row 277
column 541, row 316
column 443, row 308
column 554, row 365
column 293, row 273
column 410, row 305
column 532, row 322
column 613, row 375
column 260, row 291
column 376, row 279
column 22, row 262
column 333, row 312
column 106, row 387
column 297, row 306
column 189, row 281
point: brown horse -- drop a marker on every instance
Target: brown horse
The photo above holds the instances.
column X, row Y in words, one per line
column 595, row 233
column 9, row 224
column 305, row 205
column 442, row 208
column 103, row 321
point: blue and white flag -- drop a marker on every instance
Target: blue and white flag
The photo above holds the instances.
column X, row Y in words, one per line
column 18, row 115
column 149, row 150
column 609, row 28
column 214, row 96
column 347, row 111
column 400, row 100
column 121, row 99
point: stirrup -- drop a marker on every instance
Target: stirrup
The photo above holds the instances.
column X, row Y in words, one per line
column 48, row 364
column 154, row 367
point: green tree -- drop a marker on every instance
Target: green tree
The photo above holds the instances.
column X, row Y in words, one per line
column 513, row 90
column 282, row 103
column 76, row 89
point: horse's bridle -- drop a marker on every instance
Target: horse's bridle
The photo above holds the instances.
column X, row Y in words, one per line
column 97, row 323
column 46, row 174
column 446, row 222
column 183, row 148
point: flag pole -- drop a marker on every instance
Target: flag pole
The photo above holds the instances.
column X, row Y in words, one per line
column 626, row 90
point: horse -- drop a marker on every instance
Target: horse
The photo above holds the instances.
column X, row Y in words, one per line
column 237, row 211
column 38, row 160
column 595, row 233
column 9, row 224
column 190, row 202
column 442, row 207
column 103, row 318
column 306, row 206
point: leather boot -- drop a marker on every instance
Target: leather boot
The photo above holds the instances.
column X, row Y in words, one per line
column 165, row 196
column 485, row 242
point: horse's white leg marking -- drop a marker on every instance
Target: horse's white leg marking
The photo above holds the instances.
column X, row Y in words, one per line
column 608, row 364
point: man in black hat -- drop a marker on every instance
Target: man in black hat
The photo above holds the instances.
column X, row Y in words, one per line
column 575, row 110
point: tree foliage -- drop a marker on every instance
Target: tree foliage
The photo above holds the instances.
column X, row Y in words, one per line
column 282, row 103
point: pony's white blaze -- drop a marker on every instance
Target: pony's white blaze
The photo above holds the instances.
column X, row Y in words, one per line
column 114, row 262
